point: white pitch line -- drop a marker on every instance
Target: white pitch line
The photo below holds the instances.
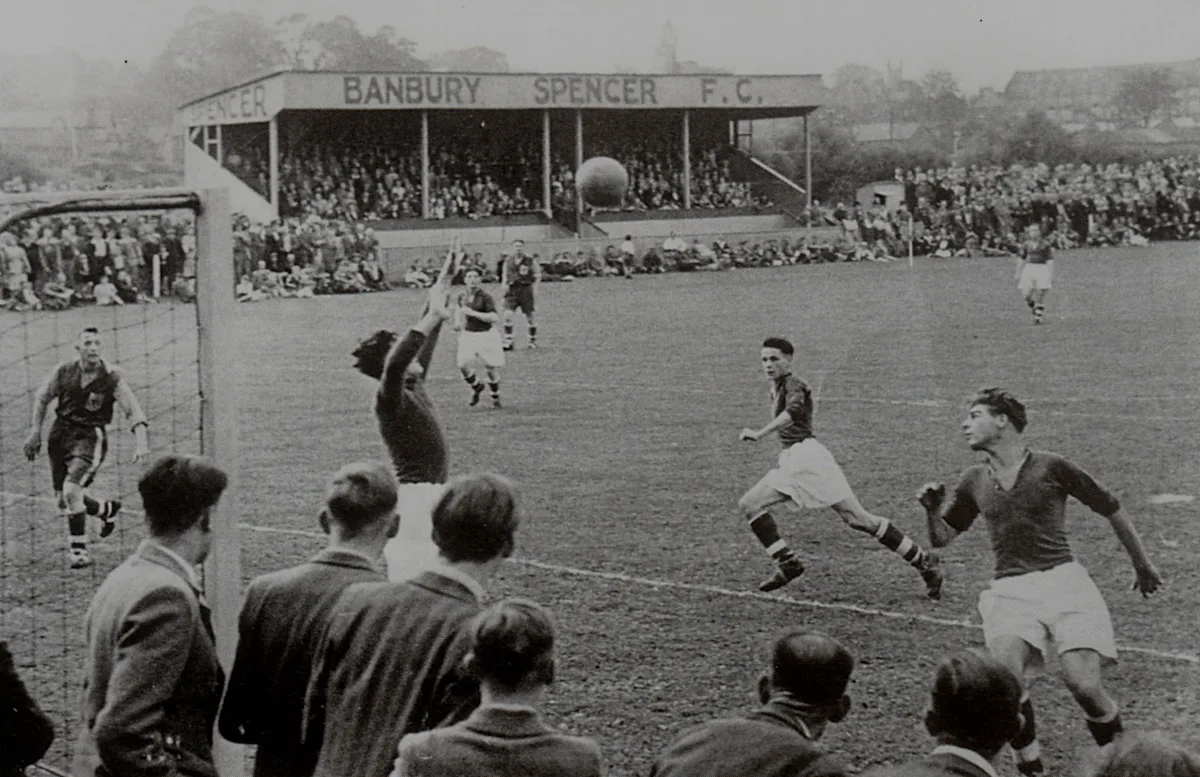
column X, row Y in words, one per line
column 438, row 378
column 646, row 582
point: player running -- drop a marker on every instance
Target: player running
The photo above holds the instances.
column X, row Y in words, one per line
column 1035, row 267
column 409, row 425
column 85, row 391
column 809, row 476
column 519, row 280
column 476, row 319
column 1040, row 598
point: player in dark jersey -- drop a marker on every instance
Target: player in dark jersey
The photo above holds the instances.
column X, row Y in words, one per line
column 809, row 477
column 1035, row 269
column 1040, row 599
column 409, row 425
column 519, row 281
column 85, row 391
column 479, row 339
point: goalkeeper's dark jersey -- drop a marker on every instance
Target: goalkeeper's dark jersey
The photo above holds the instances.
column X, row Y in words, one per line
column 407, row 421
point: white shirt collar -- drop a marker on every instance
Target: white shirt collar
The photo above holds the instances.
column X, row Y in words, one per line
column 192, row 577
column 967, row 755
column 462, row 578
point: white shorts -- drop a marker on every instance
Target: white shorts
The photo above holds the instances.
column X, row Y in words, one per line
column 412, row 551
column 485, row 346
column 1059, row 608
column 809, row 475
column 1034, row 276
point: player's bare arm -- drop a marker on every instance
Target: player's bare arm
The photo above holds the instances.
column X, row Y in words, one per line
column 132, row 409
column 1148, row 578
column 779, row 422
column 46, row 394
column 932, row 497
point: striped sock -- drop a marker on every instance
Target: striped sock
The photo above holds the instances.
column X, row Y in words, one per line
column 77, row 528
column 495, row 387
column 897, row 541
column 764, row 528
column 92, row 506
column 533, row 334
column 473, row 382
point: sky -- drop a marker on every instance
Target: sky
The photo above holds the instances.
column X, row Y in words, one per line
column 981, row 41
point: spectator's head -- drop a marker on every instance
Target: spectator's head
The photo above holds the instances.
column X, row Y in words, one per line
column 811, row 671
column 371, row 354
column 1149, row 754
column 360, row 503
column 992, row 415
column 975, row 704
column 512, row 648
column 178, row 493
column 475, row 521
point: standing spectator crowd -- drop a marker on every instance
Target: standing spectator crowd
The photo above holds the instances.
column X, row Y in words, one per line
column 968, row 211
column 54, row 262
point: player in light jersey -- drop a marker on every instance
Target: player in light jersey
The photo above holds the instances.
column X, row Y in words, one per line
column 1035, row 269
column 409, row 426
column 479, row 340
column 85, row 392
column 809, row 477
column 1041, row 599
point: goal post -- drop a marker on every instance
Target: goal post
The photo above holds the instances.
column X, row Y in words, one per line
column 187, row 383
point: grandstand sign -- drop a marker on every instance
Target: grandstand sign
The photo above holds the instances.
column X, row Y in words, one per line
column 255, row 102
column 262, row 100
column 450, row 91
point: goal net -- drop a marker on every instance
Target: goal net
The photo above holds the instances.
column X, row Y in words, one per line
column 62, row 255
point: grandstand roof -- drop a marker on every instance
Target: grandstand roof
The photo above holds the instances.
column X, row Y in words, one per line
column 746, row 96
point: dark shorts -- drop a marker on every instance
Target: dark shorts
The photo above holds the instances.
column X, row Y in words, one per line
column 519, row 298
column 76, row 453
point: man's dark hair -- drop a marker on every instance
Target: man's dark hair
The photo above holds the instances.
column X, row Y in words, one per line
column 781, row 344
column 475, row 519
column 176, row 489
column 1000, row 402
column 360, row 494
column 371, row 354
column 976, row 703
column 512, row 645
column 811, row 666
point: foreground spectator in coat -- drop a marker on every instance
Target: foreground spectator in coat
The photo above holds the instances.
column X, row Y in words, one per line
column 975, row 710
column 152, row 681
column 392, row 661
column 25, row 731
column 285, row 615
column 802, row 691
column 512, row 655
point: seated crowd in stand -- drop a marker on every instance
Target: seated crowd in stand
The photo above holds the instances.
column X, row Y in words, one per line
column 373, row 180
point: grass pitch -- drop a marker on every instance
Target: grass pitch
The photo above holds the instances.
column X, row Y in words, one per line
column 621, row 431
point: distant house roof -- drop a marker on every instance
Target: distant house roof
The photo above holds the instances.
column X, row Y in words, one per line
column 33, row 120
column 1096, row 80
column 883, row 131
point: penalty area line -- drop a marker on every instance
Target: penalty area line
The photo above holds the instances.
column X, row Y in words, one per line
column 812, row 604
